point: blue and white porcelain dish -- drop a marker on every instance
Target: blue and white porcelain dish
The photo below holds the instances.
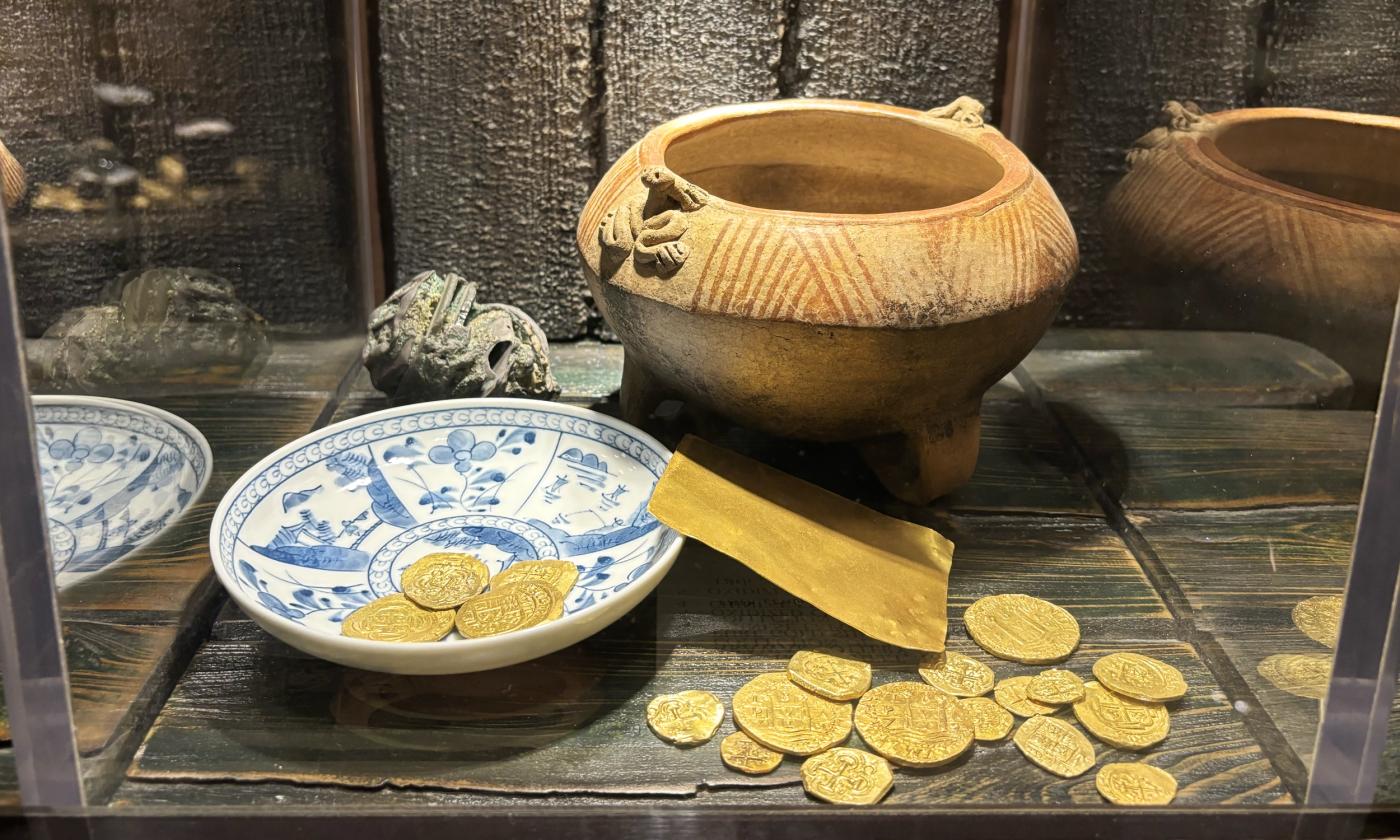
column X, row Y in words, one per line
column 115, row 475
column 329, row 522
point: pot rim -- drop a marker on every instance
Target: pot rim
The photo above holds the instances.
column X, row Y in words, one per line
column 1015, row 166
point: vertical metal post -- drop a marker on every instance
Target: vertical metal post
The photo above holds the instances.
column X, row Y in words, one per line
column 31, row 636
column 1025, row 74
column 369, row 246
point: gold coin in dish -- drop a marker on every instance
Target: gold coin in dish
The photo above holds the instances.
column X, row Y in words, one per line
column 990, row 722
column 1120, row 721
column 1011, row 695
column 1135, row 783
column 1054, row 745
column 1140, row 677
column 1022, row 629
column 444, row 581
column 740, row 752
column 1319, row 617
column 776, row 713
column 847, row 776
column 504, row 609
column 1299, row 674
column 954, row 673
column 394, row 618
column 1055, row 686
column 560, row 574
column 913, row 724
column 832, row 677
column 684, row 718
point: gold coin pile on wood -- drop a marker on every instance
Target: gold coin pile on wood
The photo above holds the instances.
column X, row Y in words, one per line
column 1023, row 629
column 685, row 718
column 847, row 776
column 1134, row 783
column 914, row 724
column 1307, row 674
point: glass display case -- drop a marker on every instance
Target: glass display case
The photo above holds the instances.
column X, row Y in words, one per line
column 777, row 416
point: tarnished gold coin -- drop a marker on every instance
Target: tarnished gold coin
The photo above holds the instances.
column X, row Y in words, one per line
column 953, row 673
column 687, row 717
column 742, row 753
column 514, row 606
column 773, row 711
column 832, row 677
column 847, row 776
column 1140, row 677
column 990, row 722
column 559, row 574
column 1319, row 617
column 444, row 581
column 1135, row 783
column 913, row 724
column 1300, row 674
column 1022, row 629
column 394, row 618
column 1120, row 721
column 1056, row 687
column 1054, row 745
column 1011, row 695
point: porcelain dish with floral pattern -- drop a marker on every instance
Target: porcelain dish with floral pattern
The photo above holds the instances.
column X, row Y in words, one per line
column 329, row 522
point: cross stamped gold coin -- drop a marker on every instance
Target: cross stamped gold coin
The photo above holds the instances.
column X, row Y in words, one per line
column 773, row 711
column 687, row 717
column 990, row 722
column 913, row 724
column 1135, row 783
column 1120, row 721
column 1023, row 629
column 1011, row 695
column 443, row 581
column 1054, row 745
column 559, row 574
column 1056, row 687
column 1299, row 674
column 504, row 609
column 956, row 674
column 394, row 618
column 1140, row 677
column 832, row 677
column 740, row 752
column 847, row 776
column 1319, row 617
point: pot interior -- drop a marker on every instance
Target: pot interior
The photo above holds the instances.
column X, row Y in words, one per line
column 1340, row 160
column 830, row 161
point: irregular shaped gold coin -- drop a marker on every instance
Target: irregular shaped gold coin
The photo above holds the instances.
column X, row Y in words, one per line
column 1120, row 721
column 1011, row 695
column 1300, row 674
column 1054, row 745
column 687, row 717
column 394, row 618
column 1135, row 783
column 773, row 711
column 740, row 752
column 1140, row 677
column 953, row 673
column 1022, row 629
column 560, row 574
column 1056, row 687
column 913, row 724
column 443, row 581
column 514, row 606
column 832, row 677
column 1319, row 617
column 990, row 722
column 847, row 776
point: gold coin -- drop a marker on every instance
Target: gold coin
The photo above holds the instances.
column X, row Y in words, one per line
column 1300, row 674
column 514, row 606
column 1056, row 687
column 1140, row 677
column 1011, row 695
column 1120, row 721
column 832, row 677
column 773, row 711
column 688, row 717
column 560, row 574
column 742, row 753
column 847, row 776
column 990, row 722
column 1135, row 783
column 394, row 618
column 1022, row 629
column 1054, row 745
column 953, row 673
column 913, row 724
column 444, row 581
column 1319, row 617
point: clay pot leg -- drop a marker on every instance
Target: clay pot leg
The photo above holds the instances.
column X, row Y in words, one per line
column 641, row 392
column 929, row 461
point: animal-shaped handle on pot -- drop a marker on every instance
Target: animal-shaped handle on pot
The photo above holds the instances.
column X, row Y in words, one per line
column 963, row 112
column 651, row 225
